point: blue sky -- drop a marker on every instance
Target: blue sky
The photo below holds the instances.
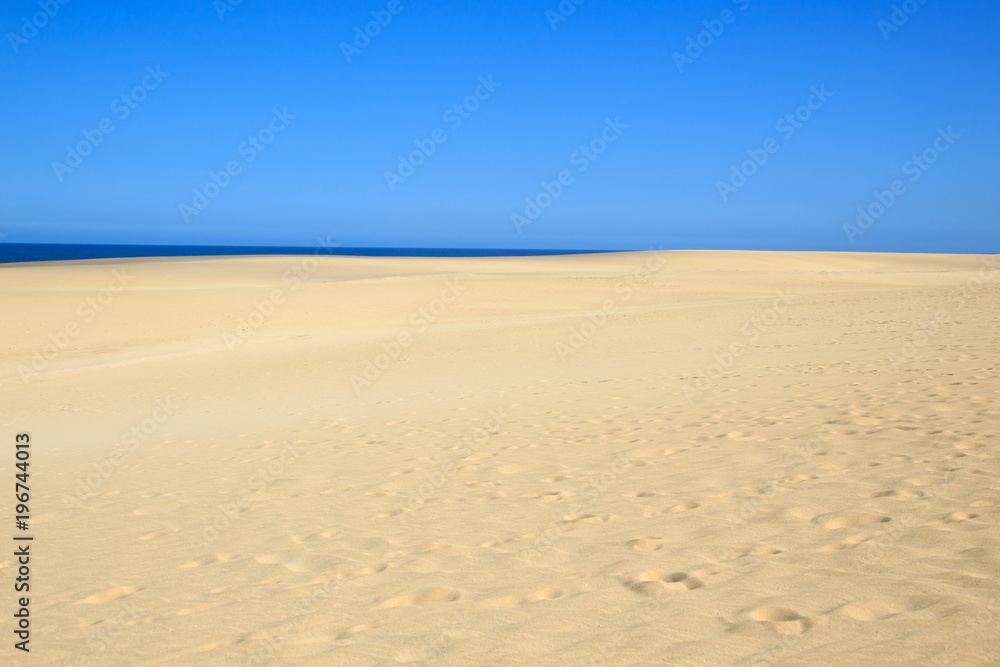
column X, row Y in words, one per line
column 645, row 140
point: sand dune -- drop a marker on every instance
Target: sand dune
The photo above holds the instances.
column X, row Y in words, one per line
column 677, row 457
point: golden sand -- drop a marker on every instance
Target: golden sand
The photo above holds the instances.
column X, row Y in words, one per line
column 684, row 458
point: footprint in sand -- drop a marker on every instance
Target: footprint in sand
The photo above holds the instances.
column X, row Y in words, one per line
column 549, row 497
column 108, row 595
column 671, row 510
column 884, row 608
column 313, row 537
column 968, row 445
column 426, row 596
column 854, row 520
column 661, row 583
column 494, row 544
column 782, row 619
column 888, row 493
column 293, row 565
column 518, row 600
column 158, row 533
column 773, row 614
column 758, row 550
column 485, row 484
column 209, row 560
column 875, row 609
column 683, row 507
column 587, row 518
column 646, row 544
column 849, row 542
column 547, row 594
column 354, row 629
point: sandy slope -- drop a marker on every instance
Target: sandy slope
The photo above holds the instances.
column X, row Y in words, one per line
column 755, row 458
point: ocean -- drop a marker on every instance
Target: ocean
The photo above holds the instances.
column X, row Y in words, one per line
column 49, row 252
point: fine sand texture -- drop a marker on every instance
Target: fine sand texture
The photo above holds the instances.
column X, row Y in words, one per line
column 684, row 457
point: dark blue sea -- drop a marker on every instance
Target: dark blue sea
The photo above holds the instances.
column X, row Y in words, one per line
column 49, row 252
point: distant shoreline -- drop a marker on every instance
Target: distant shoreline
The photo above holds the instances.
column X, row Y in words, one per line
column 49, row 252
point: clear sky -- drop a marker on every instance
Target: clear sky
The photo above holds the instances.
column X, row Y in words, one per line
column 609, row 124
